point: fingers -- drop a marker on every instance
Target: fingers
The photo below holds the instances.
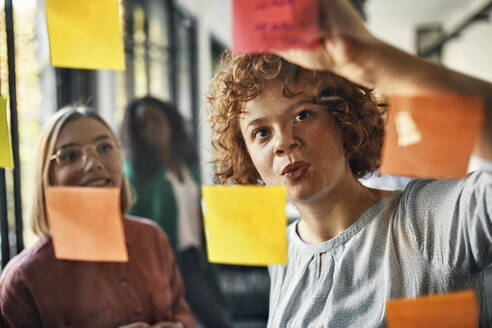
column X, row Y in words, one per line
column 343, row 35
column 318, row 59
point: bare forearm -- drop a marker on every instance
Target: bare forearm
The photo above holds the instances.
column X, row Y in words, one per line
column 349, row 49
column 394, row 71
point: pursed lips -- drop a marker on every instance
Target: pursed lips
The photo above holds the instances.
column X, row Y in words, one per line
column 295, row 170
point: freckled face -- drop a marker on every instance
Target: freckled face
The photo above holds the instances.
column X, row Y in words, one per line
column 294, row 143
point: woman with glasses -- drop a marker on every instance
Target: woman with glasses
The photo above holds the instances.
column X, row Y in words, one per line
column 162, row 169
column 77, row 148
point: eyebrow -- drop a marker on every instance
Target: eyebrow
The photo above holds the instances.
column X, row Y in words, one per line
column 72, row 144
column 257, row 121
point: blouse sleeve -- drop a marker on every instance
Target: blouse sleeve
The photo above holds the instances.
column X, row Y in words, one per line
column 452, row 221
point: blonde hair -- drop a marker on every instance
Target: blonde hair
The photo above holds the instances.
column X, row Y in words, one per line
column 46, row 147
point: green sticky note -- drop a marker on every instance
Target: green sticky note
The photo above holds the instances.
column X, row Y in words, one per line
column 85, row 34
column 245, row 225
column 5, row 145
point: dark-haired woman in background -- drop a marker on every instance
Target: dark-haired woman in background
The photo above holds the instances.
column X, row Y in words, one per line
column 162, row 167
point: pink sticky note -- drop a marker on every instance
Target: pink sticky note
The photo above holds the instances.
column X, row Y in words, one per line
column 86, row 224
column 262, row 25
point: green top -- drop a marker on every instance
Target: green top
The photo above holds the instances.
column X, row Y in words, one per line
column 153, row 198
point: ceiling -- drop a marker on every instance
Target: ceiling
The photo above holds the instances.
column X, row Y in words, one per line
column 396, row 20
column 409, row 11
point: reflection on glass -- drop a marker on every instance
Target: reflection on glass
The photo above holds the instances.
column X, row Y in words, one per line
column 158, row 51
column 139, row 39
column 28, row 103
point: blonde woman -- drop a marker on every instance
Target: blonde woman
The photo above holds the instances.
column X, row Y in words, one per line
column 77, row 148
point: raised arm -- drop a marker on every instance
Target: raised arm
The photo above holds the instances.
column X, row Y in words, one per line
column 350, row 50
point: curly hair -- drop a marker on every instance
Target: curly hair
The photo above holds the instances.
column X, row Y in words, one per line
column 241, row 78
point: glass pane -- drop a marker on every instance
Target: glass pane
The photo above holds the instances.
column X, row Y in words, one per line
column 28, row 19
column 121, row 96
column 3, row 62
column 184, row 68
column 139, row 38
column 158, row 50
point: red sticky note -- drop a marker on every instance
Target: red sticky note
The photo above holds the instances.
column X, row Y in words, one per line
column 86, row 224
column 263, row 25
column 453, row 310
column 431, row 136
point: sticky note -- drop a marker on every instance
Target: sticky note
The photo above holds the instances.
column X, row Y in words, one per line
column 263, row 25
column 453, row 310
column 5, row 144
column 245, row 225
column 86, row 223
column 85, row 34
column 431, row 136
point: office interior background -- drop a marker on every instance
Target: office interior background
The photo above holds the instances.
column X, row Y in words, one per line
column 171, row 52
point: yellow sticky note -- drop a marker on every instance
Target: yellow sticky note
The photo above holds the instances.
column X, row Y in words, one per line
column 5, row 145
column 85, row 34
column 245, row 225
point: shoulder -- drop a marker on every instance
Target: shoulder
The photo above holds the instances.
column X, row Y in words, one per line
column 428, row 206
column 26, row 263
column 194, row 172
column 138, row 222
column 436, row 191
column 137, row 228
column 147, row 241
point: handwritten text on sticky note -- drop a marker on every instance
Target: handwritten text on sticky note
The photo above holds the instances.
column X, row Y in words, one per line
column 245, row 224
column 262, row 25
column 86, row 223
column 85, row 34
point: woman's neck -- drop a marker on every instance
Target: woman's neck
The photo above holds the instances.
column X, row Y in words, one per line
column 330, row 215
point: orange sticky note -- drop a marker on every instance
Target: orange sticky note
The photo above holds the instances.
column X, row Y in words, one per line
column 86, row 224
column 431, row 136
column 85, row 34
column 262, row 25
column 453, row 310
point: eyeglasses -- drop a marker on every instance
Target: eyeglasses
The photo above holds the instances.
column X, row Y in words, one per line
column 106, row 150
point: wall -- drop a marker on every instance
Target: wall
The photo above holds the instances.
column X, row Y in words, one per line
column 213, row 20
